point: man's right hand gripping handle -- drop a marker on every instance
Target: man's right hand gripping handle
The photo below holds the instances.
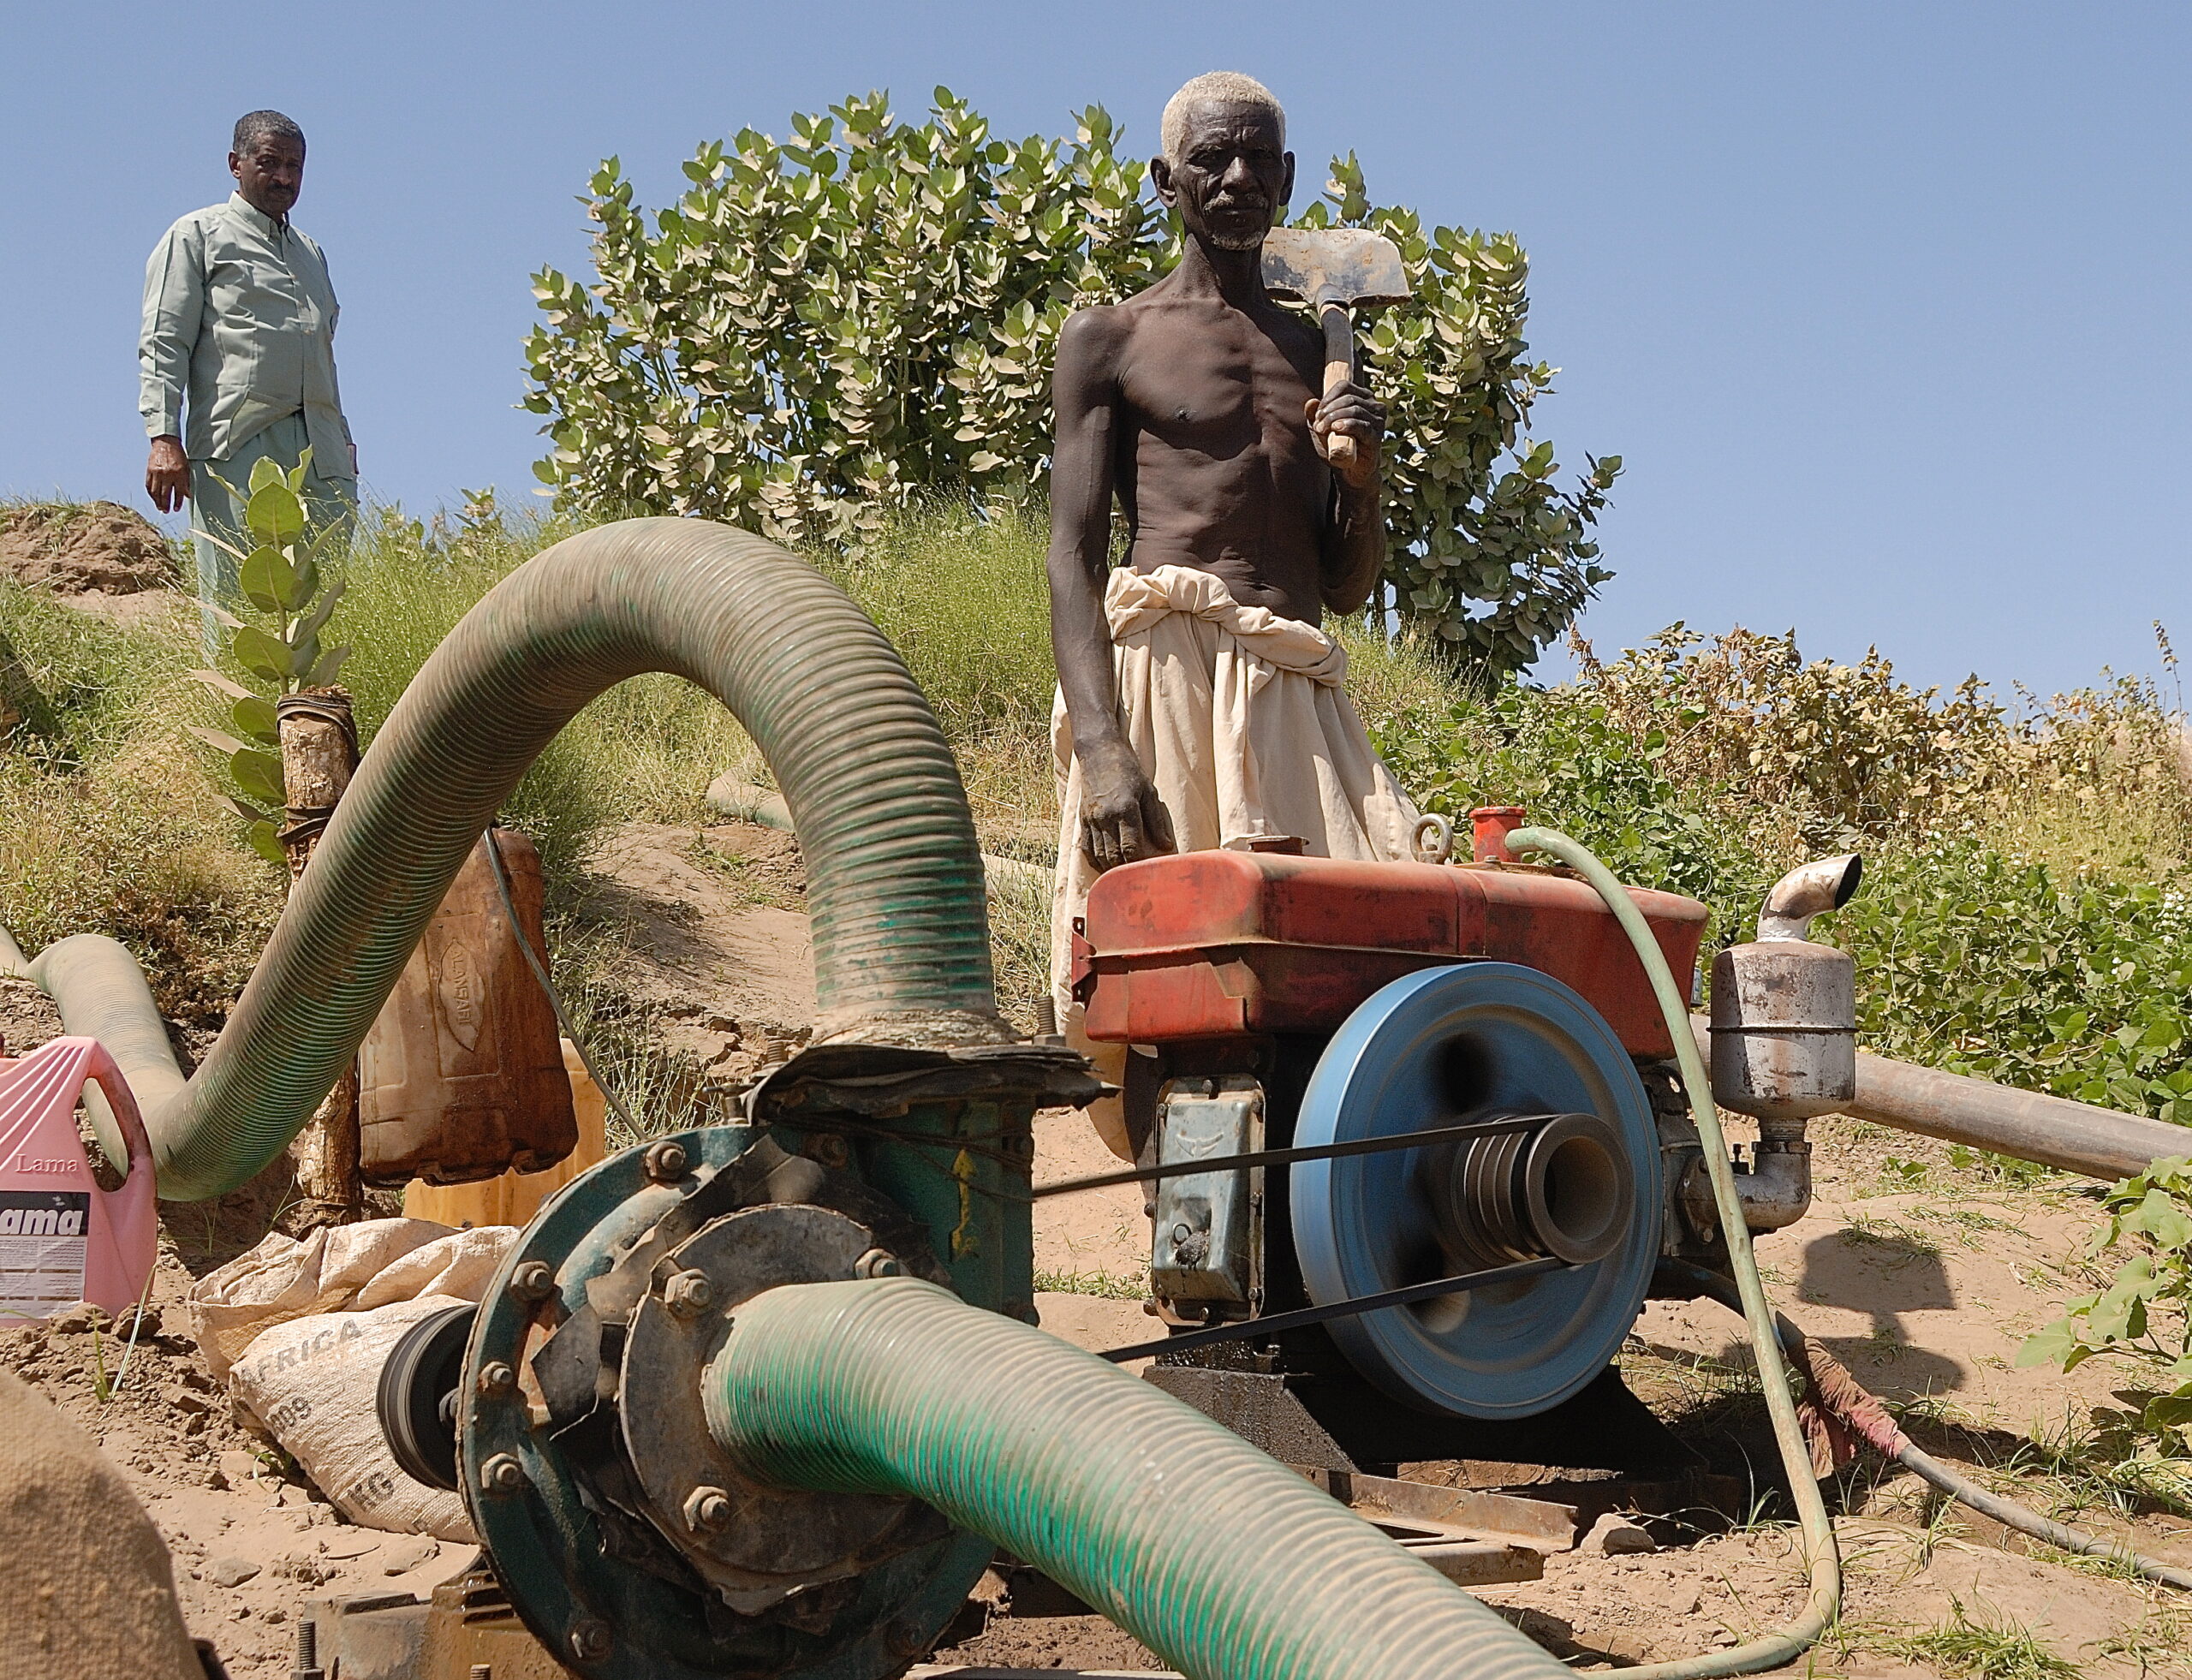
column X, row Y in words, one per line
column 1121, row 818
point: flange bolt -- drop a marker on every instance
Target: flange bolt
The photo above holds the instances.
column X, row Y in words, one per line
column 306, row 1666
column 497, row 1378
column 533, row 1281
column 877, row 1263
column 689, row 1294
column 708, row 1510
column 591, row 1640
column 502, row 1473
column 665, row 1162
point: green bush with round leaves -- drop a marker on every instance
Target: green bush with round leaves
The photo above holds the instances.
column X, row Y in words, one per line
column 822, row 330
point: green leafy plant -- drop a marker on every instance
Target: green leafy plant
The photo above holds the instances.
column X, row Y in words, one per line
column 821, row 330
column 2142, row 1315
column 280, row 577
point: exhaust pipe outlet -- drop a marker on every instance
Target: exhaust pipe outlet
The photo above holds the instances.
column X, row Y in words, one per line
column 1809, row 890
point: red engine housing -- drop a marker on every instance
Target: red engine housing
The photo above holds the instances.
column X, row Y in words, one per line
column 1223, row 944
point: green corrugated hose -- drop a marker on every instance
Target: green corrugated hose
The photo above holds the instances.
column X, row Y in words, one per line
column 1223, row 1562
column 1822, row 1556
column 895, row 878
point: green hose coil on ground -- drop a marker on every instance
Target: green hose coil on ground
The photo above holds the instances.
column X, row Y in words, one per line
column 895, row 887
column 1216, row 1557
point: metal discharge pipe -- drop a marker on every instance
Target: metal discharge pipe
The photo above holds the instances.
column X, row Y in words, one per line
column 2077, row 1137
column 901, row 942
column 1222, row 1561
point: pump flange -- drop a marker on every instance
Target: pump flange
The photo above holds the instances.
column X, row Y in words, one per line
column 580, row 1526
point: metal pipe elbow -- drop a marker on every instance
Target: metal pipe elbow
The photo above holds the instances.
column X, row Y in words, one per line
column 1807, row 890
column 1775, row 1189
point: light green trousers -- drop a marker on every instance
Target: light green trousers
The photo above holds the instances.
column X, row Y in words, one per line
column 217, row 512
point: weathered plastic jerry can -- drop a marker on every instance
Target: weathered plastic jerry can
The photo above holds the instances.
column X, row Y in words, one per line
column 62, row 1239
column 462, row 1077
column 513, row 1198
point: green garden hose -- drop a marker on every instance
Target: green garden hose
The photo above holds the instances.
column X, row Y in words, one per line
column 896, row 889
column 1822, row 1558
column 1221, row 1560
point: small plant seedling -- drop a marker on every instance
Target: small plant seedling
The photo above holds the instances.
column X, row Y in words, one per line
column 281, row 577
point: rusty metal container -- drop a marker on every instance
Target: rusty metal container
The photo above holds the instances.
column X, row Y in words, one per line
column 1221, row 944
column 1784, row 1029
column 1785, row 1010
column 462, row 1077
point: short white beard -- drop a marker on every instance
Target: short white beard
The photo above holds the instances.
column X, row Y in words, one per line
column 1236, row 242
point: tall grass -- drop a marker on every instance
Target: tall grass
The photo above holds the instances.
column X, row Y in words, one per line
column 643, row 751
column 107, row 822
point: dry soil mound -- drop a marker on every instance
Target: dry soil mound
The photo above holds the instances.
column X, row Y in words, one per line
column 77, row 548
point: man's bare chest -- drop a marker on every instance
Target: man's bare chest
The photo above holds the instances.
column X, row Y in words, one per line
column 1215, row 392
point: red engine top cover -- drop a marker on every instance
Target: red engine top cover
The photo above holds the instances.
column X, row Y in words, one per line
column 1218, row 944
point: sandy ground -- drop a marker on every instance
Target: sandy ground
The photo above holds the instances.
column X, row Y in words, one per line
column 1922, row 1278
column 252, row 1540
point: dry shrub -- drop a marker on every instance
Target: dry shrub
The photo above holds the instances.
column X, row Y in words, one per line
column 1834, row 754
column 1842, row 746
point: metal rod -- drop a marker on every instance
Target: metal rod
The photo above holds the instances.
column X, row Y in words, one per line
column 1337, row 1309
column 1308, row 1152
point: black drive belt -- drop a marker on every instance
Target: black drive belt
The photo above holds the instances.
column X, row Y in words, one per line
column 1337, row 1309
column 1311, row 1152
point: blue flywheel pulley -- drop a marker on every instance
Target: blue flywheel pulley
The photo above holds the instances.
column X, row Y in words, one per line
column 1576, row 1177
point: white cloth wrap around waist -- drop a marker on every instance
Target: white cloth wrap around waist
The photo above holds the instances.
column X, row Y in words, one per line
column 1240, row 722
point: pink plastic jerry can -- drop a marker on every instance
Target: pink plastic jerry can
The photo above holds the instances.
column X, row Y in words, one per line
column 62, row 1239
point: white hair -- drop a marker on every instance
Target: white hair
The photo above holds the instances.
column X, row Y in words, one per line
column 1224, row 87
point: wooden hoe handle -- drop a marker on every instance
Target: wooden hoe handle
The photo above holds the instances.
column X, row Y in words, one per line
column 1339, row 369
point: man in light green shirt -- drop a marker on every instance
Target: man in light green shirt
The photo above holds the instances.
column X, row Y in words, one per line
column 240, row 324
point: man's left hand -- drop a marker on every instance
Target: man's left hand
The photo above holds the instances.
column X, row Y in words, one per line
column 1350, row 410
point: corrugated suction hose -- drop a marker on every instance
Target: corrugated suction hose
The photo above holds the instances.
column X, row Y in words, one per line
column 1222, row 1561
column 895, row 877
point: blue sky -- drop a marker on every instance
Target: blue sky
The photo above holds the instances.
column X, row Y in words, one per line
column 1883, row 305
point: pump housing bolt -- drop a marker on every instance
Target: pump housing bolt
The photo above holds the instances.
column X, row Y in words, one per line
column 497, row 1378
column 533, row 1281
column 591, row 1640
column 689, row 1294
column 708, row 1510
column 877, row 1263
column 665, row 1161
column 307, row 1665
column 502, row 1473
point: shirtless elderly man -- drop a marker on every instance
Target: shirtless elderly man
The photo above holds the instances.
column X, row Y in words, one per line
column 1199, row 701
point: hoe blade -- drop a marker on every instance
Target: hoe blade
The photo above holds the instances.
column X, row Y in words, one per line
column 1348, row 266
